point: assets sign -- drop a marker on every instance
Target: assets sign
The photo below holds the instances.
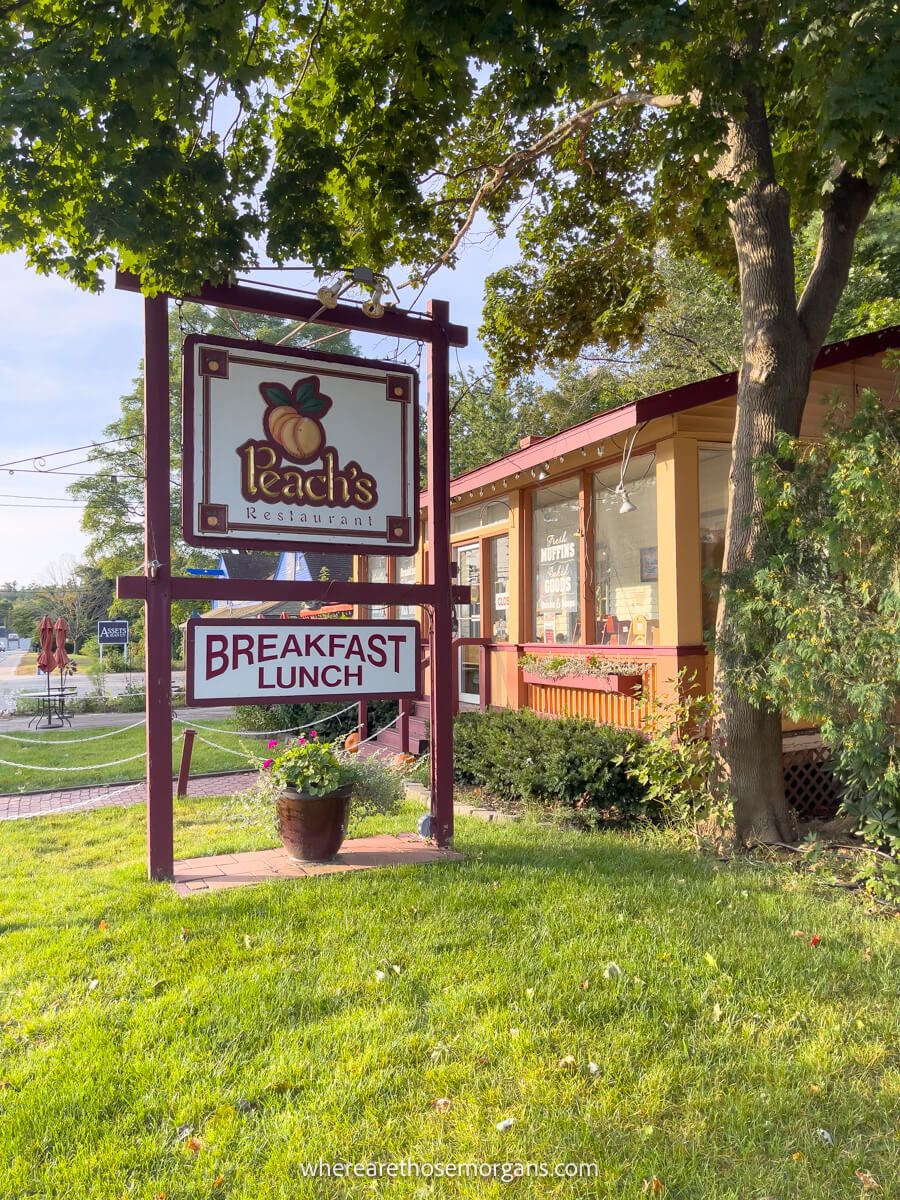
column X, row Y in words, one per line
column 289, row 449
column 283, row 661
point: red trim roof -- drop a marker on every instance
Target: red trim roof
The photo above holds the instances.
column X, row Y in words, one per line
column 649, row 408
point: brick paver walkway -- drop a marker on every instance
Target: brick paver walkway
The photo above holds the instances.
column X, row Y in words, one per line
column 216, row 871
column 45, row 804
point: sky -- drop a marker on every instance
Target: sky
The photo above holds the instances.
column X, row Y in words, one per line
column 67, row 356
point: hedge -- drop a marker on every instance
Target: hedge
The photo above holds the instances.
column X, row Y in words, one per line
column 566, row 765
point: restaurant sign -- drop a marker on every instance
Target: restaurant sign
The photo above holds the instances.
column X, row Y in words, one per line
column 293, row 661
column 290, row 449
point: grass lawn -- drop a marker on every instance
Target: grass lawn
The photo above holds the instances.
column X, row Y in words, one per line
column 66, row 748
column 252, row 1021
column 28, row 663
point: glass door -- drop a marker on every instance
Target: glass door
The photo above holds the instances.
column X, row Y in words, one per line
column 469, row 574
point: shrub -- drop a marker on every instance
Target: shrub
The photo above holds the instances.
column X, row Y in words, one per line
column 567, row 765
column 261, row 718
column 677, row 765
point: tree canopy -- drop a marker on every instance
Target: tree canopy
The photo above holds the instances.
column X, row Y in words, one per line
column 173, row 137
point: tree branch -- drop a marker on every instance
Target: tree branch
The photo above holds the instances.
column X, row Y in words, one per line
column 683, row 337
column 851, row 200
column 518, row 160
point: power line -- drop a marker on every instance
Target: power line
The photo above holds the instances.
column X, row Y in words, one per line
column 21, row 496
column 54, row 473
column 71, row 450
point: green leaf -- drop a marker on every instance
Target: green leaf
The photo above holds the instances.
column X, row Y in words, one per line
column 275, row 394
column 308, row 400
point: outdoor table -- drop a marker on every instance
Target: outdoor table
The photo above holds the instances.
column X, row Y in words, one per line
column 51, row 713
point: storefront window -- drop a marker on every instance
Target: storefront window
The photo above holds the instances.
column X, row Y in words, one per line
column 406, row 573
column 499, row 565
column 377, row 572
column 714, row 468
column 489, row 512
column 625, row 584
column 556, row 558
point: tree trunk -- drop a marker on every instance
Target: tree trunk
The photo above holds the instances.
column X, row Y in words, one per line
column 780, row 344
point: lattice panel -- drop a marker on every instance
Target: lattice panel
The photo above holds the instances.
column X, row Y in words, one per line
column 809, row 784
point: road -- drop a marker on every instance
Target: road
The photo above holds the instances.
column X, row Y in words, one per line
column 11, row 683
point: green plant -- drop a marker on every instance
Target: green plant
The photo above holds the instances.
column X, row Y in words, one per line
column 555, row 666
column 565, row 766
column 677, row 765
column 316, row 767
column 306, row 764
column 820, row 619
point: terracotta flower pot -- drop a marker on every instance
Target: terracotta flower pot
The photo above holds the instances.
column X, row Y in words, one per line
column 312, row 828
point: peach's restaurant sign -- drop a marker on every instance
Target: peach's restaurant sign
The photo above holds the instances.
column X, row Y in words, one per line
column 289, row 449
column 284, row 661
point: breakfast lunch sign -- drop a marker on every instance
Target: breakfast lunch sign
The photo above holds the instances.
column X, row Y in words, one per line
column 290, row 449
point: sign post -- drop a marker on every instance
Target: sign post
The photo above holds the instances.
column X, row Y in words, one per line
column 293, row 450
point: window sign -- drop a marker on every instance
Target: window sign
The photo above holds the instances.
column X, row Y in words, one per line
column 556, row 563
column 499, row 566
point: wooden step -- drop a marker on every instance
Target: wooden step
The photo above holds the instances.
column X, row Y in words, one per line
column 392, row 738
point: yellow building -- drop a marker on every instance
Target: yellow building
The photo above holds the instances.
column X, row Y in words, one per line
column 603, row 541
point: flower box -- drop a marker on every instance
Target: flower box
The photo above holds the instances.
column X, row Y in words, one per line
column 622, row 685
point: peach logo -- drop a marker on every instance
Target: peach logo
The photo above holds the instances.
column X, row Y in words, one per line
column 293, row 418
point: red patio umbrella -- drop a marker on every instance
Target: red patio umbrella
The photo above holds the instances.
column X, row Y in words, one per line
column 46, row 659
column 61, row 631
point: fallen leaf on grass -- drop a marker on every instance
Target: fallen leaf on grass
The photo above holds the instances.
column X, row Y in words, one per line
column 380, row 976
column 593, row 1068
column 218, row 1181
column 814, row 940
column 708, row 958
column 279, row 1088
column 103, row 925
column 247, row 942
column 505, row 1124
column 194, row 1145
column 529, row 992
column 185, row 934
column 868, row 1180
column 93, row 983
column 798, row 1156
column 443, row 1105
column 867, row 954
column 653, row 1187
column 568, row 1063
column 717, row 1013
column 585, row 984
column 799, row 933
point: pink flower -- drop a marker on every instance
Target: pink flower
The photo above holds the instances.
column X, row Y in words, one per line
column 273, row 743
column 312, row 733
column 302, row 741
column 267, row 763
column 814, row 940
